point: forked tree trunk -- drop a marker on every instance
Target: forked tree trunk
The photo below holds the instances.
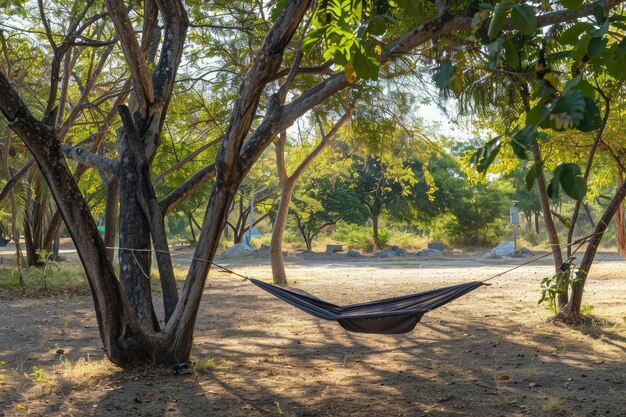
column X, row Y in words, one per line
column 287, row 184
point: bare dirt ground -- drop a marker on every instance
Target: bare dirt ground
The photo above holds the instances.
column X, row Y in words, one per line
column 493, row 352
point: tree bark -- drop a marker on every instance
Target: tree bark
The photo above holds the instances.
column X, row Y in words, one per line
column 124, row 341
column 278, row 232
column 375, row 234
column 110, row 215
column 135, row 250
column 572, row 311
column 620, row 230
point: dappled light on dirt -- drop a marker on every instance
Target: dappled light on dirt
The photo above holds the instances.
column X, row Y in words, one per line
column 492, row 352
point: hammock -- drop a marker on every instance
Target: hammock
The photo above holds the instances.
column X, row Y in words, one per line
column 389, row 316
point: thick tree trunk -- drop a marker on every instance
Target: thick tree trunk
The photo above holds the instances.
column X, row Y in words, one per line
column 278, row 232
column 134, row 253
column 124, row 341
column 131, row 144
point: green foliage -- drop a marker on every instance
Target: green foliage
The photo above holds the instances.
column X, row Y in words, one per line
column 322, row 201
column 65, row 278
column 524, row 19
column 500, row 13
column 551, row 287
column 569, row 177
column 360, row 237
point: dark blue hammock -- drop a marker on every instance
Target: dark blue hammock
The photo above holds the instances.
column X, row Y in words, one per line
column 388, row 316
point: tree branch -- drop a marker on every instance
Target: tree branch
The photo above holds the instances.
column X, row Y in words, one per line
column 132, row 51
column 92, row 160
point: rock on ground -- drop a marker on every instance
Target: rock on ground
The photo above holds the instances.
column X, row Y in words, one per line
column 430, row 252
column 240, row 249
column 503, row 250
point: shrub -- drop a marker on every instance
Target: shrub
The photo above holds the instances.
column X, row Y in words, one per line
column 360, row 237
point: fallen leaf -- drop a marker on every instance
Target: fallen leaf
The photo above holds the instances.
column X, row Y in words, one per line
column 330, row 368
column 200, row 394
column 187, row 380
column 504, row 377
column 21, row 406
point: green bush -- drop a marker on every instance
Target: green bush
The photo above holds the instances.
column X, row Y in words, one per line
column 448, row 229
column 407, row 240
column 360, row 237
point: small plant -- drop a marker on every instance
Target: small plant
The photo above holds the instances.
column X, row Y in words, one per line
column 587, row 309
column 39, row 376
column 47, row 259
column 64, row 321
column 551, row 287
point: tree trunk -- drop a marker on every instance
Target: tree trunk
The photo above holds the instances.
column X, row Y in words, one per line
column 124, row 342
column 537, row 222
column 134, row 253
column 278, row 232
column 553, row 236
column 110, row 215
column 620, row 231
column 572, row 311
column 377, row 245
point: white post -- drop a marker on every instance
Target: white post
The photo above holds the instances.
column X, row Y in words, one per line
column 514, row 219
column 252, row 195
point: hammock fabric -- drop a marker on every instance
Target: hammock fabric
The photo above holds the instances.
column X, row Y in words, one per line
column 388, row 316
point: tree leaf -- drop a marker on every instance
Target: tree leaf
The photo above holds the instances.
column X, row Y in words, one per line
column 414, row 8
column 524, row 19
column 574, row 5
column 278, row 9
column 596, row 47
column 568, row 110
column 532, row 174
column 500, row 14
column 571, row 35
column 511, row 54
column 443, row 74
column 366, row 64
column 572, row 181
column 378, row 24
column 523, row 140
column 620, row 50
column 534, row 115
column 484, row 157
column 311, row 39
column 591, row 117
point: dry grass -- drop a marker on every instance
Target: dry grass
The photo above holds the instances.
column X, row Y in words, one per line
column 69, row 375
